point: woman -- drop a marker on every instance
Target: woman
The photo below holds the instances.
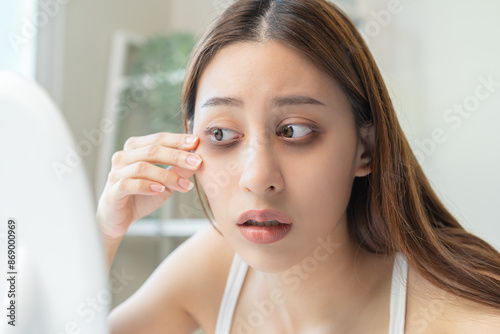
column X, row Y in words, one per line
column 324, row 220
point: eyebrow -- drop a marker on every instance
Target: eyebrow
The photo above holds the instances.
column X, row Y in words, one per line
column 278, row 101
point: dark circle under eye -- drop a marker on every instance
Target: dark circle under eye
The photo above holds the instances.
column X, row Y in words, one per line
column 287, row 131
column 217, row 134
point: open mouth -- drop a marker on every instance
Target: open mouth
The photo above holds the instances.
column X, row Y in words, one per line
column 264, row 226
column 265, row 223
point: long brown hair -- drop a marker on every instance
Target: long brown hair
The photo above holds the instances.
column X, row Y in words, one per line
column 393, row 209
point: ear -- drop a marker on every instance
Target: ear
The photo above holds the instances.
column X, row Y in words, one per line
column 366, row 143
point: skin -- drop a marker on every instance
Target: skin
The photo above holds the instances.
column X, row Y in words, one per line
column 308, row 178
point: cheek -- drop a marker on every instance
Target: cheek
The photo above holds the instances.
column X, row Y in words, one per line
column 217, row 174
column 218, row 177
column 324, row 180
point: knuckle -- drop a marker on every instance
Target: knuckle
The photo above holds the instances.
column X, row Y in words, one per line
column 116, row 157
column 129, row 142
column 178, row 140
column 151, row 150
column 139, row 185
column 169, row 139
column 112, row 177
column 176, row 157
column 166, row 177
column 140, row 167
column 159, row 137
column 121, row 185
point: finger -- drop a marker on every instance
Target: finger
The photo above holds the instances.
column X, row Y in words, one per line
column 157, row 154
column 143, row 170
column 128, row 186
column 185, row 173
column 172, row 140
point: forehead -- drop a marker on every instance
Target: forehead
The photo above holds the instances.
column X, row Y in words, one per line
column 261, row 71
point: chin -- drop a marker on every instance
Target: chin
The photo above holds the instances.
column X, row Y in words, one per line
column 267, row 259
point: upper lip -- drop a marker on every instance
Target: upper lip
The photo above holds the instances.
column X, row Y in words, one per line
column 262, row 216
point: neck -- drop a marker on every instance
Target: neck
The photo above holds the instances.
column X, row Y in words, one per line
column 331, row 286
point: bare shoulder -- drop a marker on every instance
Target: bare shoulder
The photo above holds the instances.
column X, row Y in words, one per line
column 184, row 291
column 202, row 265
column 433, row 310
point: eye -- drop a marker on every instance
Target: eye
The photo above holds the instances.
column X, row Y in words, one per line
column 219, row 134
column 299, row 130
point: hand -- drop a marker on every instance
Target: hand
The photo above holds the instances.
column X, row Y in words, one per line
column 136, row 187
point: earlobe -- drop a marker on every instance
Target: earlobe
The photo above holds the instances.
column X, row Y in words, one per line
column 363, row 170
column 365, row 151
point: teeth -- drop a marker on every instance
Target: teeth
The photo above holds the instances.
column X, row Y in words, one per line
column 266, row 223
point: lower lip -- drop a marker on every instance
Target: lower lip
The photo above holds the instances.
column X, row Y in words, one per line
column 264, row 234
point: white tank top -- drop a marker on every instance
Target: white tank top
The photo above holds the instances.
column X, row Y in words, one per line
column 239, row 270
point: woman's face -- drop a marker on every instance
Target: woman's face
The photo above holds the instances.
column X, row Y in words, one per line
column 276, row 133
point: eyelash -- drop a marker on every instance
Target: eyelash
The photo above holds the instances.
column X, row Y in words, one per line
column 208, row 131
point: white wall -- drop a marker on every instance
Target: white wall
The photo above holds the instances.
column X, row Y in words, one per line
column 432, row 54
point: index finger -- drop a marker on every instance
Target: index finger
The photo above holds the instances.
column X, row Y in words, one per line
column 168, row 139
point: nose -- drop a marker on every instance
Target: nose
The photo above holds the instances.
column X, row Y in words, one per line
column 261, row 173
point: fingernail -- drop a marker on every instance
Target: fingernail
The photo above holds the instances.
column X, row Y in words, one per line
column 190, row 139
column 193, row 160
column 157, row 188
column 186, row 184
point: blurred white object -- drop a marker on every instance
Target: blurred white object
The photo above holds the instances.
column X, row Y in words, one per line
column 60, row 280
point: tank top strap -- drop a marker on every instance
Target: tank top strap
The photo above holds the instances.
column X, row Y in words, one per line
column 235, row 279
column 398, row 295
